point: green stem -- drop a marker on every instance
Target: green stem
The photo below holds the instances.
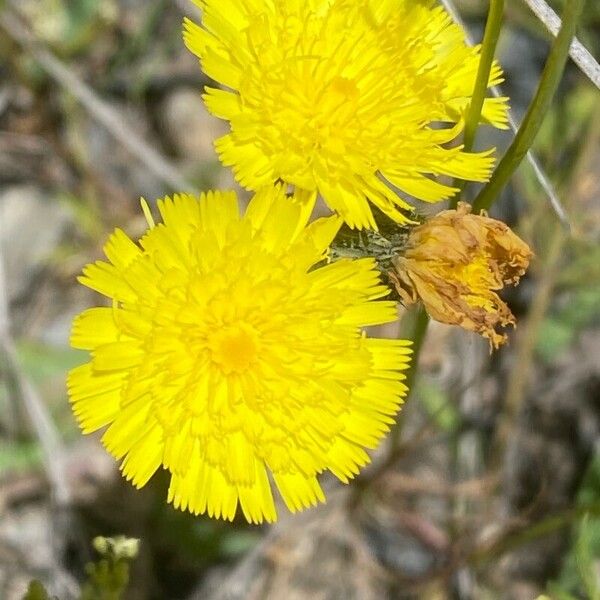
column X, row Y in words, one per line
column 547, row 87
column 524, row 139
column 416, row 331
column 486, row 61
column 414, row 327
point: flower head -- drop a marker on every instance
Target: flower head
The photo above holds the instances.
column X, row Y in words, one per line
column 355, row 99
column 233, row 351
column 456, row 263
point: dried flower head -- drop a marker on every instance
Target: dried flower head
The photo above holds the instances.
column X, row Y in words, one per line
column 232, row 352
column 455, row 263
column 355, row 99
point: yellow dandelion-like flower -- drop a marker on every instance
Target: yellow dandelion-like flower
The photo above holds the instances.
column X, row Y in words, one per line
column 456, row 263
column 355, row 99
column 234, row 352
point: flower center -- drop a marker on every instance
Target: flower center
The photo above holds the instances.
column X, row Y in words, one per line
column 234, row 348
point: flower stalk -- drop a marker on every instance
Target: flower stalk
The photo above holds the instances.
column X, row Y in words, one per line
column 532, row 123
column 416, row 331
column 488, row 51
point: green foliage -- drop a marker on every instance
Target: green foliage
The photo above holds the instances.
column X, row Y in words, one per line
column 70, row 27
column 19, row 456
column 204, row 541
column 558, row 594
column 107, row 578
column 561, row 328
column 585, row 559
column 580, row 576
column 437, row 405
column 237, row 543
column 576, row 294
column 43, row 361
column 45, row 365
column 36, row 591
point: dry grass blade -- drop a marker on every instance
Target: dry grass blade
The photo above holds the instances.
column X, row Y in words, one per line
column 22, row 392
column 14, row 27
column 579, row 53
column 538, row 170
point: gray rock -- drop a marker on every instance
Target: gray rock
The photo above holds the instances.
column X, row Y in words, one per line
column 191, row 131
column 31, row 226
column 189, row 125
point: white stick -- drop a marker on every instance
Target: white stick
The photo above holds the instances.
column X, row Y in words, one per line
column 581, row 56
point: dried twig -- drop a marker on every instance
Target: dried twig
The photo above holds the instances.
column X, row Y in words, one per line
column 476, row 488
column 514, row 125
column 14, row 27
column 581, row 56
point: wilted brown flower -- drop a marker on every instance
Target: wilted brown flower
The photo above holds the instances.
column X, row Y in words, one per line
column 455, row 263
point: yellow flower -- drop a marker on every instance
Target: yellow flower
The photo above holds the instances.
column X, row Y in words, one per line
column 456, row 263
column 234, row 350
column 355, row 99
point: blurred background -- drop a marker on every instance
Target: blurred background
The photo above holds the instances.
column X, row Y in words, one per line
column 490, row 485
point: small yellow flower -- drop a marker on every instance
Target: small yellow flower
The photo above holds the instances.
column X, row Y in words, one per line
column 232, row 351
column 355, row 99
column 455, row 263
